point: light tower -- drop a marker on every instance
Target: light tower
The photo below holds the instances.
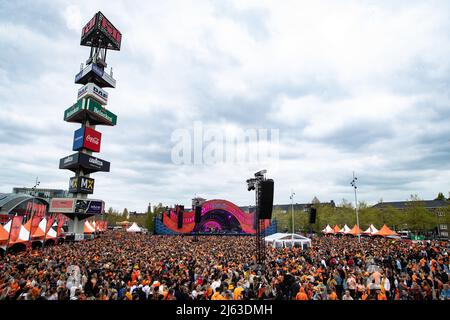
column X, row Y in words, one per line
column 90, row 111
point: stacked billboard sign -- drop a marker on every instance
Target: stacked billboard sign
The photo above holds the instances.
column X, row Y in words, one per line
column 87, row 138
column 89, row 111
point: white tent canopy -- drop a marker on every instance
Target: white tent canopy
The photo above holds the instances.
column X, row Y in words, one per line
column 281, row 240
column 328, row 229
column 371, row 230
column 134, row 228
column 345, row 229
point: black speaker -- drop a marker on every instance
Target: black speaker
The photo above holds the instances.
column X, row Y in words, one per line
column 198, row 214
column 312, row 215
column 265, row 199
column 180, row 213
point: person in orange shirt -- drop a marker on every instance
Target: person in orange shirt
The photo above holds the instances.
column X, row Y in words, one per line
column 381, row 295
column 238, row 293
column 218, row 295
column 364, row 295
column 301, row 295
column 333, row 296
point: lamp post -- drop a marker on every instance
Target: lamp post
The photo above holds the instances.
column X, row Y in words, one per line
column 353, row 183
column 292, row 210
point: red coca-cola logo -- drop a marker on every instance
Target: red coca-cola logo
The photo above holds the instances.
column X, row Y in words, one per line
column 92, row 139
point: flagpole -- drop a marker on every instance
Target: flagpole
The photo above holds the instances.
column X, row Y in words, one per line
column 32, row 209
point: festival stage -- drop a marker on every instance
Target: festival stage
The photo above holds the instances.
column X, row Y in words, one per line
column 218, row 217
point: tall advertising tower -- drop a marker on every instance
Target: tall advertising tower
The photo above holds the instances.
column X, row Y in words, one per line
column 90, row 111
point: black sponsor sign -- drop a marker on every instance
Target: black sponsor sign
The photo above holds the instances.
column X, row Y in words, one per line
column 81, row 185
column 88, row 206
column 88, row 163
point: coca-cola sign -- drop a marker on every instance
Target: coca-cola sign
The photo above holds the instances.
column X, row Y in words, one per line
column 87, row 138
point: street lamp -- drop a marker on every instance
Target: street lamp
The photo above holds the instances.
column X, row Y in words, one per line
column 292, row 209
column 353, row 183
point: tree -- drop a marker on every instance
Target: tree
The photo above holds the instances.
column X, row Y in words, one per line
column 418, row 218
column 125, row 213
column 440, row 196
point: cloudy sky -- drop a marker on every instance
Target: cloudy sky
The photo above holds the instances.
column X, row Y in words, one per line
column 349, row 85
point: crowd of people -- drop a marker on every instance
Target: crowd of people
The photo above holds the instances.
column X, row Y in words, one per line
column 124, row 266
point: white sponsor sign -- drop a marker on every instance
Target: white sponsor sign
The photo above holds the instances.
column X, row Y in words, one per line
column 62, row 205
column 93, row 91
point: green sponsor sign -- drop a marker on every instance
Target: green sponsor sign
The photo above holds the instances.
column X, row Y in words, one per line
column 77, row 107
column 99, row 110
column 93, row 107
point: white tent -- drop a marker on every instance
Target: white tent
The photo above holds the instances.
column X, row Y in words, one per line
column 328, row 230
column 345, row 230
column 134, row 228
column 371, row 230
column 282, row 240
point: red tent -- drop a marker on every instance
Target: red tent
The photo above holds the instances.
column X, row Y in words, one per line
column 385, row 232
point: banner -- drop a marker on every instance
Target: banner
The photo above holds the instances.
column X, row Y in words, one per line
column 81, row 185
column 88, row 206
column 50, row 221
column 16, row 225
column 87, row 138
column 66, row 205
column 35, row 223
column 61, row 220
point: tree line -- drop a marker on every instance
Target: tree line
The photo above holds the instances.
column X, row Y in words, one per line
column 414, row 217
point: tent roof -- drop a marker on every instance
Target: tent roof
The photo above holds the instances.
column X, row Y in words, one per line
column 285, row 236
column 328, row 229
column 354, row 231
column 385, row 232
column 3, row 234
column 371, row 230
column 336, row 229
column 88, row 227
column 134, row 228
column 344, row 229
